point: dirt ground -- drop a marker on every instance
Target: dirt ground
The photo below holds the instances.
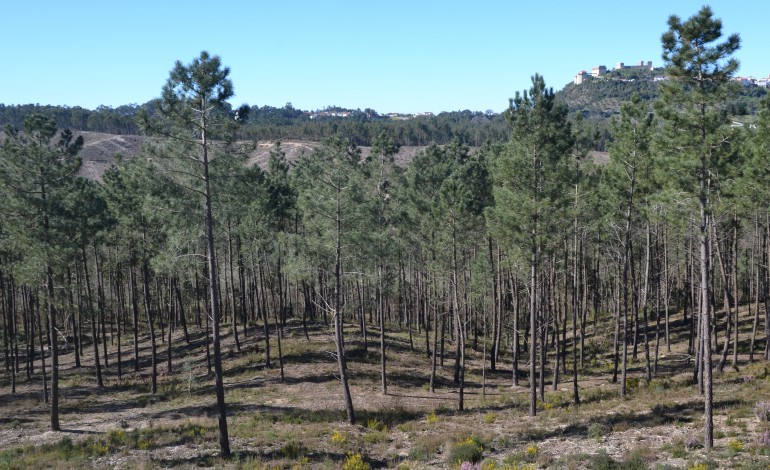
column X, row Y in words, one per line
column 300, row 421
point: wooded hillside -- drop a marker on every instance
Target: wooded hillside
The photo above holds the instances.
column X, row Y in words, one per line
column 519, row 303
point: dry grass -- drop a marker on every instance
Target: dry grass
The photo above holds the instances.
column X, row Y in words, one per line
column 301, row 421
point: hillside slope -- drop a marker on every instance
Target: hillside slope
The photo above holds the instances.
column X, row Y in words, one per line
column 101, row 150
column 600, row 99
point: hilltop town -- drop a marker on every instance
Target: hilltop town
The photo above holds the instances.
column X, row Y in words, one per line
column 646, row 71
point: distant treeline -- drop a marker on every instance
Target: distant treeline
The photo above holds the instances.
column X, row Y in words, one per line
column 120, row 120
column 271, row 123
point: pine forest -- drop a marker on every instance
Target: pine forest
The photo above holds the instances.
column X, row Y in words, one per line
column 538, row 289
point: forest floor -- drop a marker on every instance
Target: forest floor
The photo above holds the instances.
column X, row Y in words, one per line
column 300, row 422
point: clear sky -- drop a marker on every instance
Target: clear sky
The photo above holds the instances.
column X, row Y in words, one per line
column 390, row 55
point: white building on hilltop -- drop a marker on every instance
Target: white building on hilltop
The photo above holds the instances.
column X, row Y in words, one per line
column 598, row 71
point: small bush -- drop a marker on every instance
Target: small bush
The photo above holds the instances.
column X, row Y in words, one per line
column 431, row 418
column 292, row 450
column 638, row 460
column 375, row 425
column 734, row 446
column 512, row 463
column 678, row 449
column 490, row 417
column 64, row 448
column 338, row 438
column 602, row 461
column 145, row 442
column 660, row 385
column 374, row 437
column 632, row 384
column 98, row 448
column 762, row 410
column 117, row 439
column 420, row 453
column 532, row 450
column 355, row 462
column 193, row 432
column 596, row 431
column 469, row 450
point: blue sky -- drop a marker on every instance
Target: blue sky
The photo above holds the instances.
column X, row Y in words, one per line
column 389, row 55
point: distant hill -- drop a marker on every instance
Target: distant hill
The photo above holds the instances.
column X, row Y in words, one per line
column 100, row 150
column 110, row 131
column 599, row 99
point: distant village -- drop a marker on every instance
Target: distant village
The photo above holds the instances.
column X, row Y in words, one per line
column 601, row 70
column 345, row 114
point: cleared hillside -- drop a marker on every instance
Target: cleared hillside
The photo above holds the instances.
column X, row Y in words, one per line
column 101, row 150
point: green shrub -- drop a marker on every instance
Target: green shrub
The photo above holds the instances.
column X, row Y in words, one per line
column 637, row 460
column 292, row 450
column 355, row 462
column 375, row 425
column 117, row 439
column 596, row 431
column 469, row 450
column 98, row 448
column 420, row 453
column 338, row 438
column 374, row 437
column 632, row 384
column 602, row 461
column 64, row 448
column 678, row 450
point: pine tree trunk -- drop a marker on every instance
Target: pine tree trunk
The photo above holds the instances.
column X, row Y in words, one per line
column 135, row 311
column 341, row 360
column 224, row 440
column 575, row 308
column 151, row 323
column 54, row 343
column 74, row 323
column 380, row 307
column 533, row 292
column 708, row 440
column 645, row 296
column 35, row 310
column 89, row 303
column 100, row 302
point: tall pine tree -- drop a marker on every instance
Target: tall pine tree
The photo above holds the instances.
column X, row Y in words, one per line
column 697, row 134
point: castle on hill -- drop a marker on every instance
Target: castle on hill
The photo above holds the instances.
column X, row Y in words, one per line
column 600, row 70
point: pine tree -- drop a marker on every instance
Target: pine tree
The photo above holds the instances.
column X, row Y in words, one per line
column 628, row 175
column 528, row 181
column 693, row 106
column 36, row 173
column 194, row 116
column 332, row 202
